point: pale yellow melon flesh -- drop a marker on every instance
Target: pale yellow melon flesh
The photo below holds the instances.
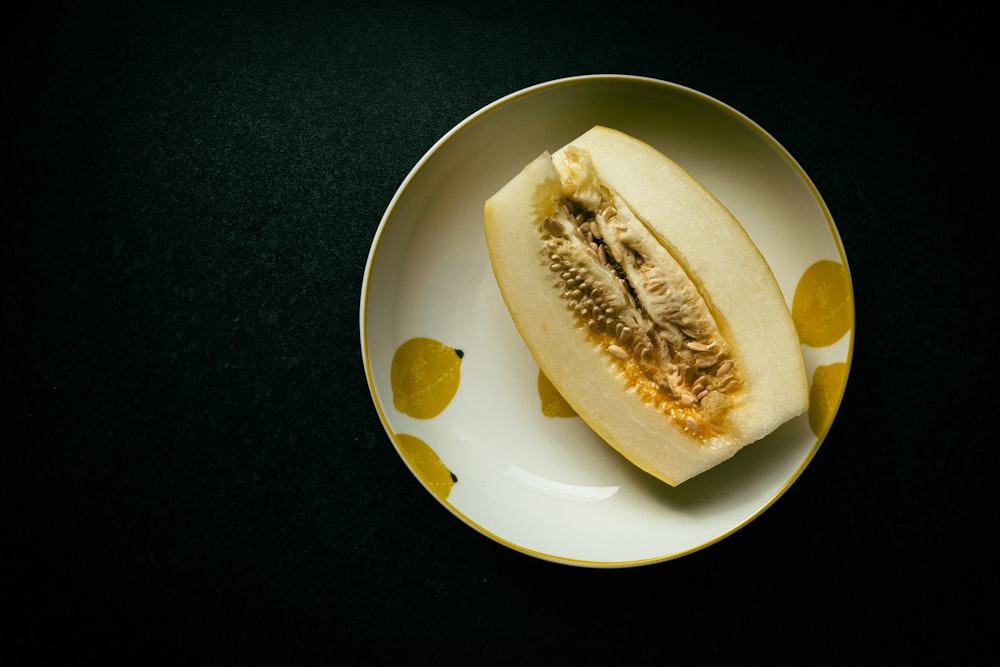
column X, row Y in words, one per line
column 670, row 441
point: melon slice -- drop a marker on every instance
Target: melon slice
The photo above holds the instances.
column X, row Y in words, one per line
column 645, row 303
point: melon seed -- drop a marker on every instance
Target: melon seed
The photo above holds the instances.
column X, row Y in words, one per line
column 635, row 300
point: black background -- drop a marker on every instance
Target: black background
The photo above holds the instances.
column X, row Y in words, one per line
column 196, row 468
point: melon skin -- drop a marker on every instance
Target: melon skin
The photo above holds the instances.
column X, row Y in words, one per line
column 716, row 252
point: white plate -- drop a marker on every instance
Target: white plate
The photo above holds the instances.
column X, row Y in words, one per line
column 548, row 486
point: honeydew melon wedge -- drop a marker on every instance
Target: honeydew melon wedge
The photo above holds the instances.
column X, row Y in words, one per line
column 645, row 303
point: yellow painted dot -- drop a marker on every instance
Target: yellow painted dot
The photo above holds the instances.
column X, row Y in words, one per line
column 425, row 374
column 553, row 403
column 823, row 305
column 824, row 395
column 426, row 464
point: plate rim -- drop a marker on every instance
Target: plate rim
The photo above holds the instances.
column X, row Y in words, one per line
column 460, row 127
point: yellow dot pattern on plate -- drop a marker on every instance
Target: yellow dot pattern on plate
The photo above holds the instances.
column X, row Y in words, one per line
column 822, row 308
column 425, row 374
column 426, row 464
column 827, row 386
column 553, row 404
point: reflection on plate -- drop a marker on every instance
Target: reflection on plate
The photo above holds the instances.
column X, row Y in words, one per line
column 461, row 397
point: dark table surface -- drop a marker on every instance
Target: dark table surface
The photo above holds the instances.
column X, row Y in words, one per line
column 196, row 465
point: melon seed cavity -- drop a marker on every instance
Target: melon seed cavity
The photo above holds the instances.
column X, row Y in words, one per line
column 634, row 300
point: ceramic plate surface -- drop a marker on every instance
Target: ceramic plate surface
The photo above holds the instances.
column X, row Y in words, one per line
column 458, row 392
